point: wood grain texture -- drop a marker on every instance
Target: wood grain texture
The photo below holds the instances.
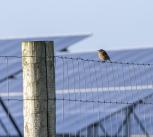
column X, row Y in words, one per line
column 39, row 89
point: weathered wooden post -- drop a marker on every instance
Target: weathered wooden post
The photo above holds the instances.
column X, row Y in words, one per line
column 39, row 89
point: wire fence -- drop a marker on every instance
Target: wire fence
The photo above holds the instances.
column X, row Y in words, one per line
column 93, row 98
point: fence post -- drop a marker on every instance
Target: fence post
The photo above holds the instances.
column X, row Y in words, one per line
column 39, row 89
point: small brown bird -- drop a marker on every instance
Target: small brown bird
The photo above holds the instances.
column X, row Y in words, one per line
column 103, row 56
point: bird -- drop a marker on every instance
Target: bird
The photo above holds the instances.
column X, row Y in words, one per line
column 103, row 56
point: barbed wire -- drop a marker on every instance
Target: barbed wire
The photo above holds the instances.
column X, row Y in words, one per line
column 142, row 102
column 98, row 61
column 83, row 59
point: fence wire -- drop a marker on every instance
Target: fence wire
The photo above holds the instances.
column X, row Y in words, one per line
column 93, row 98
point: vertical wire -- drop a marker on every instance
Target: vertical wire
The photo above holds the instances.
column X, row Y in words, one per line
column 151, row 70
column 8, row 88
column 82, row 93
column 55, row 96
column 124, row 85
column 99, row 101
column 141, row 89
column 121, row 100
column 111, row 125
column 145, row 119
column 93, row 97
column 150, row 105
column 106, row 89
column 105, row 120
column 113, row 90
column 145, row 72
column 130, row 76
column 127, row 112
column 135, row 79
column 150, row 81
column 93, row 127
column 110, row 92
column 108, row 72
column 90, row 83
column 63, row 90
column 121, row 89
column 119, row 77
column 74, row 80
column 114, row 79
column 151, row 117
column 85, row 86
column 125, row 127
column 123, row 113
column 122, row 122
column 67, row 74
column 68, row 80
column 139, row 113
column 91, row 75
column 102, row 92
column 98, row 94
column 63, row 94
column 138, row 90
column 78, row 67
column 132, row 120
column 144, row 106
column 117, row 126
column 118, row 90
column 139, row 80
column 135, row 89
column 78, row 64
column 108, row 82
column 133, row 93
column 128, row 123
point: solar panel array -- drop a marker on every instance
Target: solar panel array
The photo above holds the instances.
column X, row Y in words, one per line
column 88, row 93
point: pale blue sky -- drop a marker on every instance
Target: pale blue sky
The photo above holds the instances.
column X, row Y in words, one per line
column 115, row 24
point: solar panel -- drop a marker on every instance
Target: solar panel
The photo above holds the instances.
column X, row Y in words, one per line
column 12, row 47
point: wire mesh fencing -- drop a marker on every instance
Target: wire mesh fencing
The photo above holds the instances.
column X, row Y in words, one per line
column 93, row 98
column 103, row 99
column 11, row 100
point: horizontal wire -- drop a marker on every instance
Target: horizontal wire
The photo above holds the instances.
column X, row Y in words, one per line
column 83, row 101
column 82, row 59
column 98, row 61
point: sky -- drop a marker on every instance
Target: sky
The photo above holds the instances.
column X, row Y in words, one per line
column 114, row 24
